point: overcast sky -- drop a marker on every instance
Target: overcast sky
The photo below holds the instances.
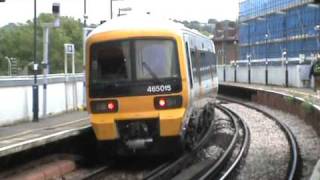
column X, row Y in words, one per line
column 201, row 10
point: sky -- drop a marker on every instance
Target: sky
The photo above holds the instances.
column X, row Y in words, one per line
column 200, row 10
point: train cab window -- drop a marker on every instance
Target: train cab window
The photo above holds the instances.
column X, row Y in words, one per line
column 111, row 62
column 156, row 59
column 129, row 67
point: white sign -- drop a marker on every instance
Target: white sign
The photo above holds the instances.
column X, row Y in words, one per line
column 69, row 48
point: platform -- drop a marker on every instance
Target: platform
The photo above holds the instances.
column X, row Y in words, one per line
column 24, row 136
column 306, row 94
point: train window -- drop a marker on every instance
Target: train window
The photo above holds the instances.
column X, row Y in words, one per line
column 130, row 67
column 212, row 61
column 111, row 62
column 156, row 59
column 205, row 65
column 194, row 66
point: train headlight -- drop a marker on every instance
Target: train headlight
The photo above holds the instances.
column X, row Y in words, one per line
column 107, row 106
column 167, row 102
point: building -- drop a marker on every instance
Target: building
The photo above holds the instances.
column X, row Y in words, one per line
column 226, row 41
column 279, row 31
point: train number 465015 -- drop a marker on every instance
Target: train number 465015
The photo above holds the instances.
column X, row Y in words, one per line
column 159, row 88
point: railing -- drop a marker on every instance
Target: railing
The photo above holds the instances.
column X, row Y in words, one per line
column 296, row 76
column 64, row 93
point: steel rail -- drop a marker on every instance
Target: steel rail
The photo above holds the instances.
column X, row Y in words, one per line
column 244, row 148
column 293, row 164
column 212, row 171
column 163, row 171
column 96, row 172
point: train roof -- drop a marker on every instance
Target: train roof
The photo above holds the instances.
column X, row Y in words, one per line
column 145, row 22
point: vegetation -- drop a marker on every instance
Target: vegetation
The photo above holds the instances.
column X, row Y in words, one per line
column 307, row 106
column 16, row 40
column 289, row 99
column 204, row 28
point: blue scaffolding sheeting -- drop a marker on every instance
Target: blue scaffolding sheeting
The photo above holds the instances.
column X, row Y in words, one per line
column 270, row 27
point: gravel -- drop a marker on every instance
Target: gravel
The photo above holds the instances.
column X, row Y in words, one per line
column 223, row 132
column 307, row 139
column 269, row 154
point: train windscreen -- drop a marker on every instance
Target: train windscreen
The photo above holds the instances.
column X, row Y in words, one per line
column 134, row 67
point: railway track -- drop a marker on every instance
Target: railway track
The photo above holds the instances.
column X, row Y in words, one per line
column 294, row 149
column 244, row 147
column 212, row 169
column 221, row 168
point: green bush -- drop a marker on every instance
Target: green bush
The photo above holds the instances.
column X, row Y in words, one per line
column 289, row 99
column 307, row 106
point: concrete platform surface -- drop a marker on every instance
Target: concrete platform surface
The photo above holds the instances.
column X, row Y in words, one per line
column 307, row 94
column 20, row 137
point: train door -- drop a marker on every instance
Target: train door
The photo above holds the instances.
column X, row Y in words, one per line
column 188, row 44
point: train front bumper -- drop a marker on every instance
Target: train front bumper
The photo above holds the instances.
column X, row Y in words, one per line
column 170, row 122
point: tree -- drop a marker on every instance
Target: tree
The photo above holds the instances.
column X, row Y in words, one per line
column 16, row 40
column 212, row 21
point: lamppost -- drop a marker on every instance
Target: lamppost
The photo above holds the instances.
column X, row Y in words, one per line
column 123, row 9
column 266, row 62
column 235, row 62
column 223, row 60
column 317, row 29
column 249, row 55
column 84, row 35
column 46, row 41
column 111, row 14
column 9, row 65
column 285, row 53
column 85, row 17
column 35, row 88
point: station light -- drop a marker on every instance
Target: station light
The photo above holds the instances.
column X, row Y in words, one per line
column 56, row 13
column 2, row 0
column 56, row 9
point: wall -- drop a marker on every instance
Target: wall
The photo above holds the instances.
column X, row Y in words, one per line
column 297, row 75
column 16, row 97
column 307, row 111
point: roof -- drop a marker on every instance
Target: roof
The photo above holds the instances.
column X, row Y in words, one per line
column 145, row 22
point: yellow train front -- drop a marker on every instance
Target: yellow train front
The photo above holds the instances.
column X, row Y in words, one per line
column 141, row 87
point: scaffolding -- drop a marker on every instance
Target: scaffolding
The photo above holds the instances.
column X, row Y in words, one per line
column 274, row 28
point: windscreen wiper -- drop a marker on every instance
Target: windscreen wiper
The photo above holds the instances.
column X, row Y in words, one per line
column 154, row 76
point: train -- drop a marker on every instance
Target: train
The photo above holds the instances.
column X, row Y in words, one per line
column 148, row 79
